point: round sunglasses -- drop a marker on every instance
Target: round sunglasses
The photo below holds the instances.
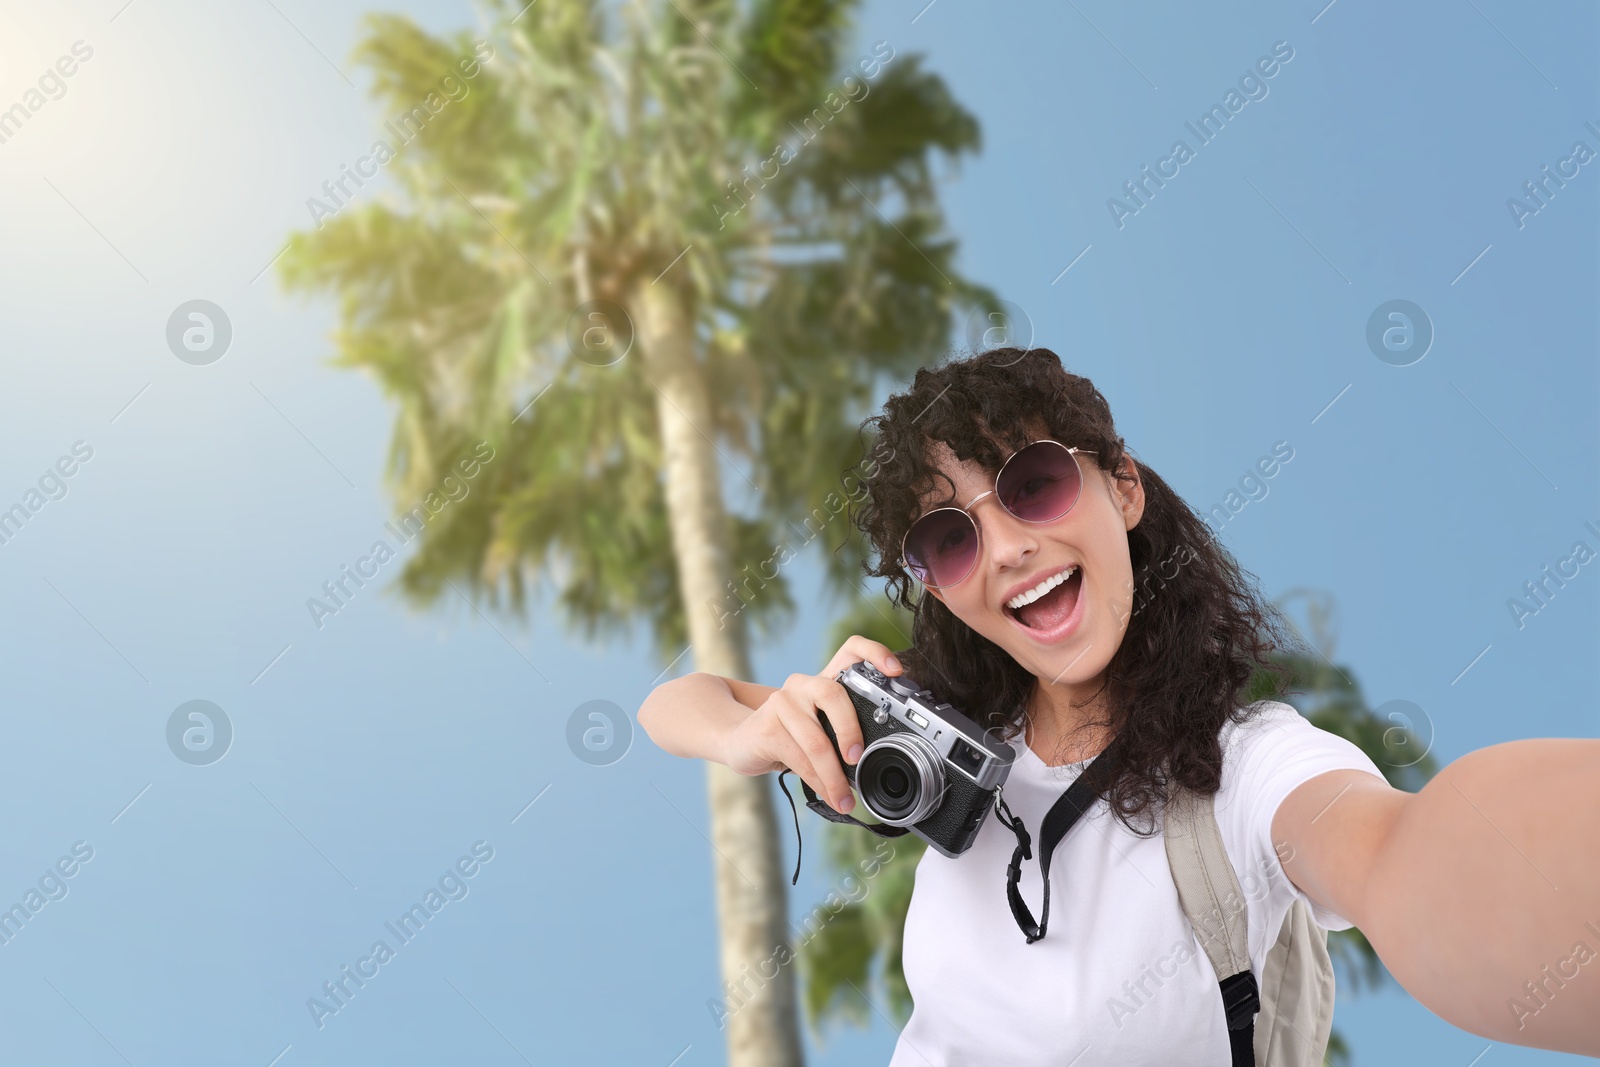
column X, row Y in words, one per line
column 1040, row 482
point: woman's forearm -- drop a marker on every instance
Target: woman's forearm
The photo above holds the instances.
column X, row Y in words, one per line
column 1484, row 900
column 691, row 716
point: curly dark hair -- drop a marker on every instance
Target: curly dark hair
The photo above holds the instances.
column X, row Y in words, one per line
column 1199, row 632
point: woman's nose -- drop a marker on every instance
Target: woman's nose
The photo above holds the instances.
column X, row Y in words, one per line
column 1007, row 539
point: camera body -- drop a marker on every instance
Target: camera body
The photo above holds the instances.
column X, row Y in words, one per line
column 924, row 765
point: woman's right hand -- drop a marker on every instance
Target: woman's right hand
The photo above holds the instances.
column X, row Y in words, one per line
column 784, row 732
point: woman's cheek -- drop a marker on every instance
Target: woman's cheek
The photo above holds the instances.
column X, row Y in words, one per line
column 1119, row 602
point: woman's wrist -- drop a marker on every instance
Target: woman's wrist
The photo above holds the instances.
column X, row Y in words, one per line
column 724, row 715
column 693, row 716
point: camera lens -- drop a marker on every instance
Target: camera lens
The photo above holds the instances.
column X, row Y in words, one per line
column 888, row 784
column 901, row 779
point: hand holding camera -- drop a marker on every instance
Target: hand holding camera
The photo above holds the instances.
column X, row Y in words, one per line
column 787, row 730
column 926, row 767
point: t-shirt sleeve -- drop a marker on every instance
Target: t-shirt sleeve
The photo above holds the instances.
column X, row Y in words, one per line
column 1265, row 759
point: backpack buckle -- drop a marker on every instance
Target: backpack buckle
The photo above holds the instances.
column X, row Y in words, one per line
column 1241, row 999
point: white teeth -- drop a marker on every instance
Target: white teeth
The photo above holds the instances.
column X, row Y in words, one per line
column 1041, row 589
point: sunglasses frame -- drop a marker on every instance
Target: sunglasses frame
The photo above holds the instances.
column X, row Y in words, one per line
column 1072, row 451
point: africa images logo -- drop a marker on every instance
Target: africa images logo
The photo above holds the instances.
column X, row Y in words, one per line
column 199, row 732
column 452, row 489
column 51, row 86
column 1252, row 86
column 404, row 128
column 453, row 885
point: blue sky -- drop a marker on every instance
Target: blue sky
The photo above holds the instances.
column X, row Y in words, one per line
column 1228, row 314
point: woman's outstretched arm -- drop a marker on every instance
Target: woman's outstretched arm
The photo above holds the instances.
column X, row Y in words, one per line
column 692, row 716
column 1481, row 893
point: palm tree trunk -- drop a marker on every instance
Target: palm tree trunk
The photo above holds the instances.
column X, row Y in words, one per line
column 752, row 905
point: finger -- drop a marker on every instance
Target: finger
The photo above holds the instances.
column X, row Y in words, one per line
column 790, row 755
column 858, row 648
column 807, row 732
column 777, row 743
column 835, row 702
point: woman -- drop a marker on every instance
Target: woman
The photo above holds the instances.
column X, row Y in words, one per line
column 1072, row 599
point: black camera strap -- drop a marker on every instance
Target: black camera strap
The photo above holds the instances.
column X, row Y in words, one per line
column 816, row 804
column 1085, row 790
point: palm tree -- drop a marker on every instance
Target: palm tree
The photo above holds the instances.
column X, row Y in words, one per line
column 859, row 947
column 637, row 248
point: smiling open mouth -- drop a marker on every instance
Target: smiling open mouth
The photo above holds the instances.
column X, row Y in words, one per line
column 1050, row 612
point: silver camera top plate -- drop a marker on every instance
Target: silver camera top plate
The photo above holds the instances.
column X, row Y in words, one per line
column 958, row 740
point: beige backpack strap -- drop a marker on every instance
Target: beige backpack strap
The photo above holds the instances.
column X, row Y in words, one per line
column 1295, row 997
column 1208, row 890
column 1296, row 994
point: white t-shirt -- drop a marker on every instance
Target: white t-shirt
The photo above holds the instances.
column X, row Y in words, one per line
column 1119, row 977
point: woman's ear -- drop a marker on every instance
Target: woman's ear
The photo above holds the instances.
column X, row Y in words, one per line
column 1129, row 495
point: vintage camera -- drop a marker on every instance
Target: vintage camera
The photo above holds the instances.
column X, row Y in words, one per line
column 923, row 765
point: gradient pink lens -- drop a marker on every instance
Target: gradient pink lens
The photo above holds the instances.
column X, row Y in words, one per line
column 942, row 547
column 1040, row 483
